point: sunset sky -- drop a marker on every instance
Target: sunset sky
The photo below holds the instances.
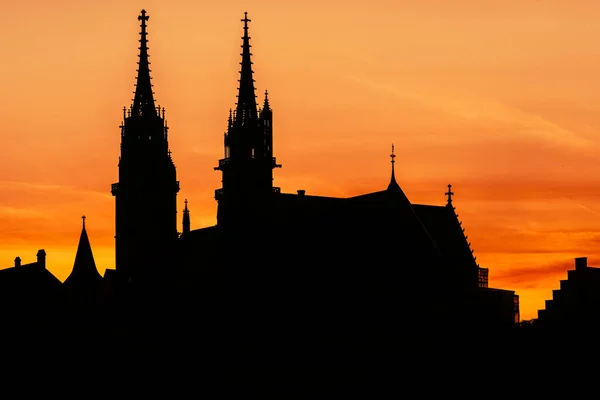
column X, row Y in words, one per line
column 499, row 98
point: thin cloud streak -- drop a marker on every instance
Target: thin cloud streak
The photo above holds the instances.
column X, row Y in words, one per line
column 485, row 112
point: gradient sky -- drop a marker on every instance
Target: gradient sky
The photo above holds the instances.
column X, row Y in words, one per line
column 499, row 98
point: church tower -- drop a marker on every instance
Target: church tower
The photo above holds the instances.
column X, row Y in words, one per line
column 146, row 194
column 248, row 163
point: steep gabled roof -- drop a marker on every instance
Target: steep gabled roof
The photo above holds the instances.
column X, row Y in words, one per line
column 445, row 229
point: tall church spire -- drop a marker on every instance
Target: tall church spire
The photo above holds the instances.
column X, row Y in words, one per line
column 246, row 104
column 248, row 162
column 393, row 184
column 143, row 102
column 146, row 193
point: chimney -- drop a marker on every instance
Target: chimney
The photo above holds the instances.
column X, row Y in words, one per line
column 580, row 263
column 41, row 258
column 17, row 262
column 301, row 192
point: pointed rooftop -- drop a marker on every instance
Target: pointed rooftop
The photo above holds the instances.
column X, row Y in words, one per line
column 246, row 103
column 84, row 271
column 143, row 102
column 393, row 186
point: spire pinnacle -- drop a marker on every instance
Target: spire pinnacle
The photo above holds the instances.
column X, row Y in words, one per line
column 393, row 184
column 246, row 104
column 83, row 221
column 266, row 105
column 143, row 102
column 449, row 193
column 186, row 219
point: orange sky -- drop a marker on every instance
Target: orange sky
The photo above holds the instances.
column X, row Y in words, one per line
column 499, row 98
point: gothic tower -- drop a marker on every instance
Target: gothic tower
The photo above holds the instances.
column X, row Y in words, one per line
column 248, row 163
column 146, row 194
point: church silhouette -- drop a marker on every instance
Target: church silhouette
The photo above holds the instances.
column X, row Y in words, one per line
column 292, row 271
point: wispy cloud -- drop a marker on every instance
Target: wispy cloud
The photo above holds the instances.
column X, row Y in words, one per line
column 483, row 111
column 581, row 206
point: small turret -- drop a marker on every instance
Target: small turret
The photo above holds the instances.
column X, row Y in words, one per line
column 186, row 219
column 17, row 262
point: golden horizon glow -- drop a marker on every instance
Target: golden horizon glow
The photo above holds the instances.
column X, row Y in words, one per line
column 500, row 99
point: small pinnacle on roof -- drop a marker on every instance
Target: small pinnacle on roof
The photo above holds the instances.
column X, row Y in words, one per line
column 449, row 193
column 393, row 184
column 186, row 219
column 266, row 103
column 83, row 221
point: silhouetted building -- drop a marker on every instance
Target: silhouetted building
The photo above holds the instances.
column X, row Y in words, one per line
column 368, row 246
column 146, row 194
column 29, row 294
column 248, row 163
column 577, row 303
column 309, row 267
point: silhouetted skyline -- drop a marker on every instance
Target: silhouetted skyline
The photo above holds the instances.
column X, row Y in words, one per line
column 316, row 141
column 288, row 291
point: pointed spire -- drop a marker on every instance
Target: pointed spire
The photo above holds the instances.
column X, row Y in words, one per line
column 143, row 102
column 393, row 184
column 186, row 218
column 246, row 104
column 266, row 105
column 84, row 269
column 449, row 193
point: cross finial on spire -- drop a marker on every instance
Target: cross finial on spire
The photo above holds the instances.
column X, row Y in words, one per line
column 143, row 17
column 83, row 219
column 449, row 193
column 392, row 156
column 246, row 20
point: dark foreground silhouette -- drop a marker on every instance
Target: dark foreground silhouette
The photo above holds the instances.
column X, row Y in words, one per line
column 288, row 295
